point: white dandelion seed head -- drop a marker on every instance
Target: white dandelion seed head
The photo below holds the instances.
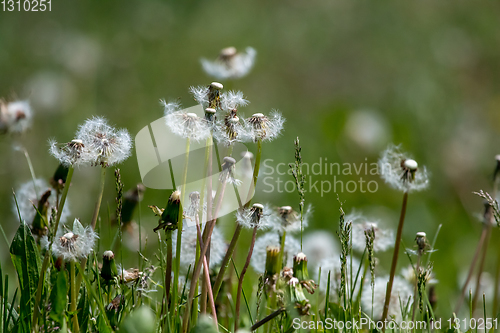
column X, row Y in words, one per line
column 230, row 64
column 15, row 117
column 401, row 292
column 258, row 261
column 27, row 197
column 107, row 145
column 231, row 100
column 384, row 238
column 200, row 95
column 76, row 244
column 71, row 154
column 258, row 215
column 259, row 127
column 287, row 219
column 319, row 245
column 187, row 125
column 170, row 107
column 227, row 174
column 401, row 172
column 229, row 130
column 188, row 247
column 332, row 266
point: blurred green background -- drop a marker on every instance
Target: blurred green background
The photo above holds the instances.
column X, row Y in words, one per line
column 349, row 77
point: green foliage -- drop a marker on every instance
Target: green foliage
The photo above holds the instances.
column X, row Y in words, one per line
column 26, row 259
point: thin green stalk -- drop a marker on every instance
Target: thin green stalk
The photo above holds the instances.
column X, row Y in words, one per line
column 72, row 305
column 237, row 231
column 414, row 310
column 240, row 279
column 177, row 266
column 38, row 297
column 93, row 223
column 168, row 273
column 481, row 263
column 471, row 269
column 32, row 170
column 394, row 258
column 282, row 252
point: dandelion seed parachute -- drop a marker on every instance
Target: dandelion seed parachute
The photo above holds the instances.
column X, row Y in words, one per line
column 260, row 127
column 248, row 217
column 286, row 219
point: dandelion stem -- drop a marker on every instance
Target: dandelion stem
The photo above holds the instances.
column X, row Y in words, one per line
column 240, row 280
column 197, row 270
column 179, row 232
column 38, row 297
column 497, row 280
column 394, row 258
column 417, row 269
column 168, row 271
column 72, row 306
column 471, row 269
column 487, row 226
column 237, row 231
column 99, row 200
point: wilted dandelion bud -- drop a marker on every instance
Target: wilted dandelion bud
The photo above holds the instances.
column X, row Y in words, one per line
column 108, row 270
column 40, row 223
column 230, row 64
column 421, row 241
column 402, row 172
column 301, row 273
column 29, row 195
column 296, row 298
column 170, row 216
column 272, row 263
column 210, row 115
column 15, row 117
column 227, row 174
column 58, row 180
column 76, row 244
column 262, row 128
column 107, row 146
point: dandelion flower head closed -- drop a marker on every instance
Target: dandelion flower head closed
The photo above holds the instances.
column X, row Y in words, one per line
column 74, row 245
column 107, row 145
column 258, row 261
column 185, row 124
column 27, row 197
column 401, row 290
column 384, row 238
column 188, row 247
column 262, row 128
column 15, row 117
column 401, row 172
column 230, row 64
